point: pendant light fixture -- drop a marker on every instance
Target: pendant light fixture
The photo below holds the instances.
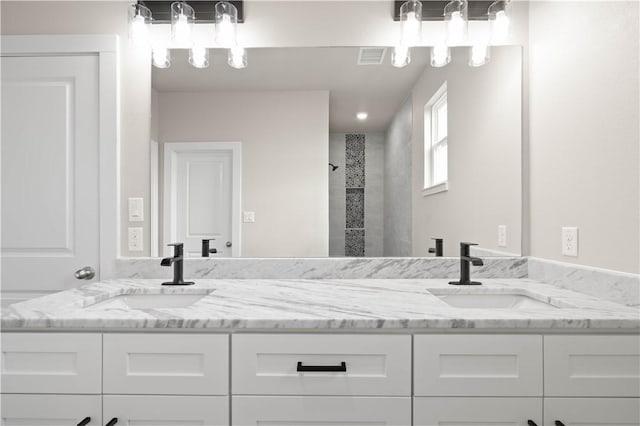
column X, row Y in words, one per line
column 139, row 23
column 226, row 17
column 237, row 57
column 499, row 21
column 161, row 57
column 440, row 55
column 411, row 23
column 182, row 19
column 456, row 21
column 401, row 56
column 199, row 56
column 478, row 55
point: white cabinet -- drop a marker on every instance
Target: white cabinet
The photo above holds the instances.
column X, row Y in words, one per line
column 166, row 410
column 477, row 411
column 319, row 410
column 161, row 364
column 51, row 410
column 592, row 366
column 51, row 363
column 292, row 364
column 592, row 411
column 477, row 365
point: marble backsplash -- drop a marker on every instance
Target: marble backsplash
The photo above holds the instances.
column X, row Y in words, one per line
column 322, row 268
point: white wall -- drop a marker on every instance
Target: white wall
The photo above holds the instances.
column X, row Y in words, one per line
column 484, row 113
column 584, row 118
column 285, row 151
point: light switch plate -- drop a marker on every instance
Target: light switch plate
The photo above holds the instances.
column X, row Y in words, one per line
column 248, row 217
column 570, row 241
column 502, row 235
column 136, row 209
column 135, row 239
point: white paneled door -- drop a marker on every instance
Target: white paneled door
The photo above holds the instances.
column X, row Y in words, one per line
column 50, row 170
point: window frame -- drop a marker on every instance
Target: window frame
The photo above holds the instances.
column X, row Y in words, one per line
column 430, row 144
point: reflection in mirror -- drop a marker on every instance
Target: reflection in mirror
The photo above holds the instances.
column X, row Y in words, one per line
column 312, row 152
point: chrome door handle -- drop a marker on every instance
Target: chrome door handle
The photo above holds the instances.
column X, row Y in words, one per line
column 85, row 273
column 228, row 244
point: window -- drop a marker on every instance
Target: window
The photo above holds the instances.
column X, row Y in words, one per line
column 435, row 143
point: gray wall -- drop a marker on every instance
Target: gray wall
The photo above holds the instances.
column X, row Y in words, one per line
column 373, row 194
column 397, row 183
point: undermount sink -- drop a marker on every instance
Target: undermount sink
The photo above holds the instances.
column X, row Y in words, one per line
column 149, row 301
column 492, row 301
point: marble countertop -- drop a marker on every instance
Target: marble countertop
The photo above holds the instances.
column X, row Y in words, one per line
column 298, row 304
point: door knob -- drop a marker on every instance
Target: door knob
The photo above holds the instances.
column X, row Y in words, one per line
column 228, row 244
column 85, row 273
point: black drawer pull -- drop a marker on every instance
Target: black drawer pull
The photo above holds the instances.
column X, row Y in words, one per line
column 84, row 421
column 112, row 422
column 531, row 423
column 559, row 423
column 338, row 368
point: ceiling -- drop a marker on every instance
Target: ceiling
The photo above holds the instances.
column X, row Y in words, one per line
column 376, row 89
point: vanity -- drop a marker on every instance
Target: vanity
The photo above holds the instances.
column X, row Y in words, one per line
column 369, row 351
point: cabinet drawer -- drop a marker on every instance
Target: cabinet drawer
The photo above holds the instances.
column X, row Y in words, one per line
column 267, row 364
column 51, row 410
column 320, row 410
column 478, row 365
column 160, row 364
column 166, row 410
column 592, row 365
column 592, row 411
column 51, row 363
column 486, row 411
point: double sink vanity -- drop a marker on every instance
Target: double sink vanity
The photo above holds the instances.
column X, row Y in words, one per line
column 320, row 352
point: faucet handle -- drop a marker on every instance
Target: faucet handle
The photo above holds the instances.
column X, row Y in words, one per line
column 468, row 244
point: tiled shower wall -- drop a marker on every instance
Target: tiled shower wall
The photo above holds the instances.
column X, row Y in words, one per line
column 356, row 194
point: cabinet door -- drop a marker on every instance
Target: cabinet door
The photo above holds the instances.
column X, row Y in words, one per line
column 51, row 410
column 592, row 366
column 166, row 410
column 477, row 411
column 318, row 410
column 592, row 411
column 51, row 363
column 477, row 365
column 166, row 364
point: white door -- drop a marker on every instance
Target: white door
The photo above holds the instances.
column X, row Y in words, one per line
column 592, row 411
column 199, row 189
column 51, row 410
column 477, row 411
column 50, row 167
column 166, row 410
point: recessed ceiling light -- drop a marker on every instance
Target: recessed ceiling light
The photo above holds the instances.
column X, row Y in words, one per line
column 362, row 115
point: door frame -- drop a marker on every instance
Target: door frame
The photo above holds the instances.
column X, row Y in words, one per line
column 170, row 152
column 105, row 47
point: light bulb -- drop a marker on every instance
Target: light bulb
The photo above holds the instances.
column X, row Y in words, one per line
column 456, row 28
column 401, row 56
column 139, row 21
column 479, row 55
column 161, row 57
column 455, row 16
column 199, row 57
column 226, row 20
column 362, row 116
column 237, row 57
column 411, row 23
column 500, row 27
column 182, row 31
column 182, row 18
column 440, row 56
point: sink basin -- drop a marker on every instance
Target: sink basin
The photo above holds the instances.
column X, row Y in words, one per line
column 492, row 301
column 149, row 301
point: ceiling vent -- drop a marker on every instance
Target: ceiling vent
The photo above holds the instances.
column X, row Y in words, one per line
column 371, row 55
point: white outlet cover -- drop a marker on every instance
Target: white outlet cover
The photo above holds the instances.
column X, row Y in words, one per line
column 502, row 235
column 570, row 241
column 135, row 239
column 248, row 217
column 136, row 209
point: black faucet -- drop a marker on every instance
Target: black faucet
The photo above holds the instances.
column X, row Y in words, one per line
column 439, row 248
column 465, row 260
column 205, row 248
column 178, row 265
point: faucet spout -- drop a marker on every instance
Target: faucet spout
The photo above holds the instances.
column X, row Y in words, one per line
column 178, row 265
column 465, row 261
column 475, row 261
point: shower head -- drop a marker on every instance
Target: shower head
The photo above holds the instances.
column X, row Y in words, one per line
column 333, row 167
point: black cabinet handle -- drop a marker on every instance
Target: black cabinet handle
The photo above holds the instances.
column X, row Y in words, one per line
column 531, row 423
column 112, row 422
column 339, row 368
column 559, row 423
column 84, row 421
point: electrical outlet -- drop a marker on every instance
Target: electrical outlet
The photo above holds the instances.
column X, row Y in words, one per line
column 249, row 217
column 502, row 235
column 570, row 241
column 135, row 239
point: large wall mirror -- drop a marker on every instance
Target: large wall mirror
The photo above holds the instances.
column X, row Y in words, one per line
column 273, row 161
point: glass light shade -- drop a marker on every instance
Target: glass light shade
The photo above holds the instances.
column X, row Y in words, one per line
column 411, row 23
column 237, row 57
column 478, row 55
column 226, row 22
column 161, row 57
column 499, row 21
column 182, row 19
column 456, row 21
column 199, row 57
column 139, row 22
column 401, row 56
column 440, row 56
